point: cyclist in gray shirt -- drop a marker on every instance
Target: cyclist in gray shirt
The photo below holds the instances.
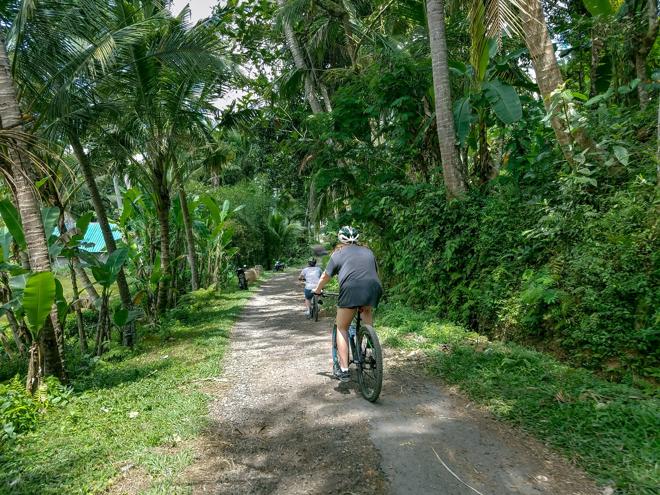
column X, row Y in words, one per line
column 310, row 276
column 359, row 287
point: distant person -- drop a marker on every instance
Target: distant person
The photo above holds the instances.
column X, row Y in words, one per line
column 359, row 288
column 310, row 276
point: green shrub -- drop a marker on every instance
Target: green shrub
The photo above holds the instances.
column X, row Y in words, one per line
column 539, row 256
column 19, row 412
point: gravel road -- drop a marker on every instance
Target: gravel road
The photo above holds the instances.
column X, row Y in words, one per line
column 280, row 424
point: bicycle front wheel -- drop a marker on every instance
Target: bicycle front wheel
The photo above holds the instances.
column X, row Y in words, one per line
column 315, row 307
column 370, row 369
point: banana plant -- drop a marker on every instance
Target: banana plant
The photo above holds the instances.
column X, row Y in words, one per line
column 220, row 234
column 105, row 274
column 11, row 234
column 137, row 222
column 487, row 98
column 28, row 297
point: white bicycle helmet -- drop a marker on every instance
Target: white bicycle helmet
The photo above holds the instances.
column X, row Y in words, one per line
column 348, row 235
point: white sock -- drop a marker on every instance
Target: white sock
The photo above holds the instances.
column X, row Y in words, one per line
column 344, row 369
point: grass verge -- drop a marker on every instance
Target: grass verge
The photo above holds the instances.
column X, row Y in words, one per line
column 610, row 430
column 137, row 415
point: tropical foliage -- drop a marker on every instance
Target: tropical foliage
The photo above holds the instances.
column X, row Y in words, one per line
column 501, row 157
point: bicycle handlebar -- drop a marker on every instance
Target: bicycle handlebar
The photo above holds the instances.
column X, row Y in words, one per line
column 324, row 294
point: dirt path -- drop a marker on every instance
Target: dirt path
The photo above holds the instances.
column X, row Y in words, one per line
column 281, row 424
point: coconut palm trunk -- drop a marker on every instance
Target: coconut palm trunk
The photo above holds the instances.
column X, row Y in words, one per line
column 82, row 337
column 190, row 239
column 118, row 198
column 45, row 356
column 453, row 174
column 163, row 204
column 128, row 336
column 87, row 284
column 548, row 75
column 301, row 64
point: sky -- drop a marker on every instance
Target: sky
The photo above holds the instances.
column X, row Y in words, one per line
column 198, row 8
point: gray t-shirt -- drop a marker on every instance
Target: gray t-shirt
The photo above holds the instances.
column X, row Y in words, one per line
column 312, row 275
column 355, row 265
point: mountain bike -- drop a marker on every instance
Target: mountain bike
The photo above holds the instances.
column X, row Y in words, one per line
column 365, row 352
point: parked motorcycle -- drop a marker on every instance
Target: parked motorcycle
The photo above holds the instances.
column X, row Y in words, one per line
column 242, row 281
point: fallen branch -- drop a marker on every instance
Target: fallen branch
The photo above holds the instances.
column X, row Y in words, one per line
column 454, row 474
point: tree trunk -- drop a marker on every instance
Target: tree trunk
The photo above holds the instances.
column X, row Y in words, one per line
column 10, row 116
column 596, row 48
column 301, row 65
column 87, row 284
column 190, row 239
column 82, row 337
column 483, row 161
column 102, row 329
column 118, row 197
column 657, row 152
column 16, row 332
column 453, row 175
column 548, row 76
column 644, row 45
column 163, row 210
column 102, row 218
column 326, row 98
column 5, row 343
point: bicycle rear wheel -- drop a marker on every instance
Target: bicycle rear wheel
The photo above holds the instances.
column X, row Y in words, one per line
column 370, row 369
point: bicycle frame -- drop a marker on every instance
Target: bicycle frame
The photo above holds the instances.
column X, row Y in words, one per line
column 369, row 363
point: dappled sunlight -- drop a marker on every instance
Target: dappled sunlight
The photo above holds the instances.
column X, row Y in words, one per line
column 283, row 424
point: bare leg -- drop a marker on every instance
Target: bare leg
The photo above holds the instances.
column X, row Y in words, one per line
column 367, row 315
column 344, row 318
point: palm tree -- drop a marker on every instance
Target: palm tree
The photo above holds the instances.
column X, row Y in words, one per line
column 166, row 92
column 300, row 62
column 45, row 356
column 525, row 17
column 453, row 174
column 282, row 232
column 137, row 69
column 58, row 79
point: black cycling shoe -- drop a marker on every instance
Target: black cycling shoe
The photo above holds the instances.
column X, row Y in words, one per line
column 343, row 376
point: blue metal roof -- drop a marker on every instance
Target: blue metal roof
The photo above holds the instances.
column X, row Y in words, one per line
column 93, row 241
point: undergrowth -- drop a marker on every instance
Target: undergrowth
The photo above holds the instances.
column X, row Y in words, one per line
column 608, row 429
column 132, row 415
